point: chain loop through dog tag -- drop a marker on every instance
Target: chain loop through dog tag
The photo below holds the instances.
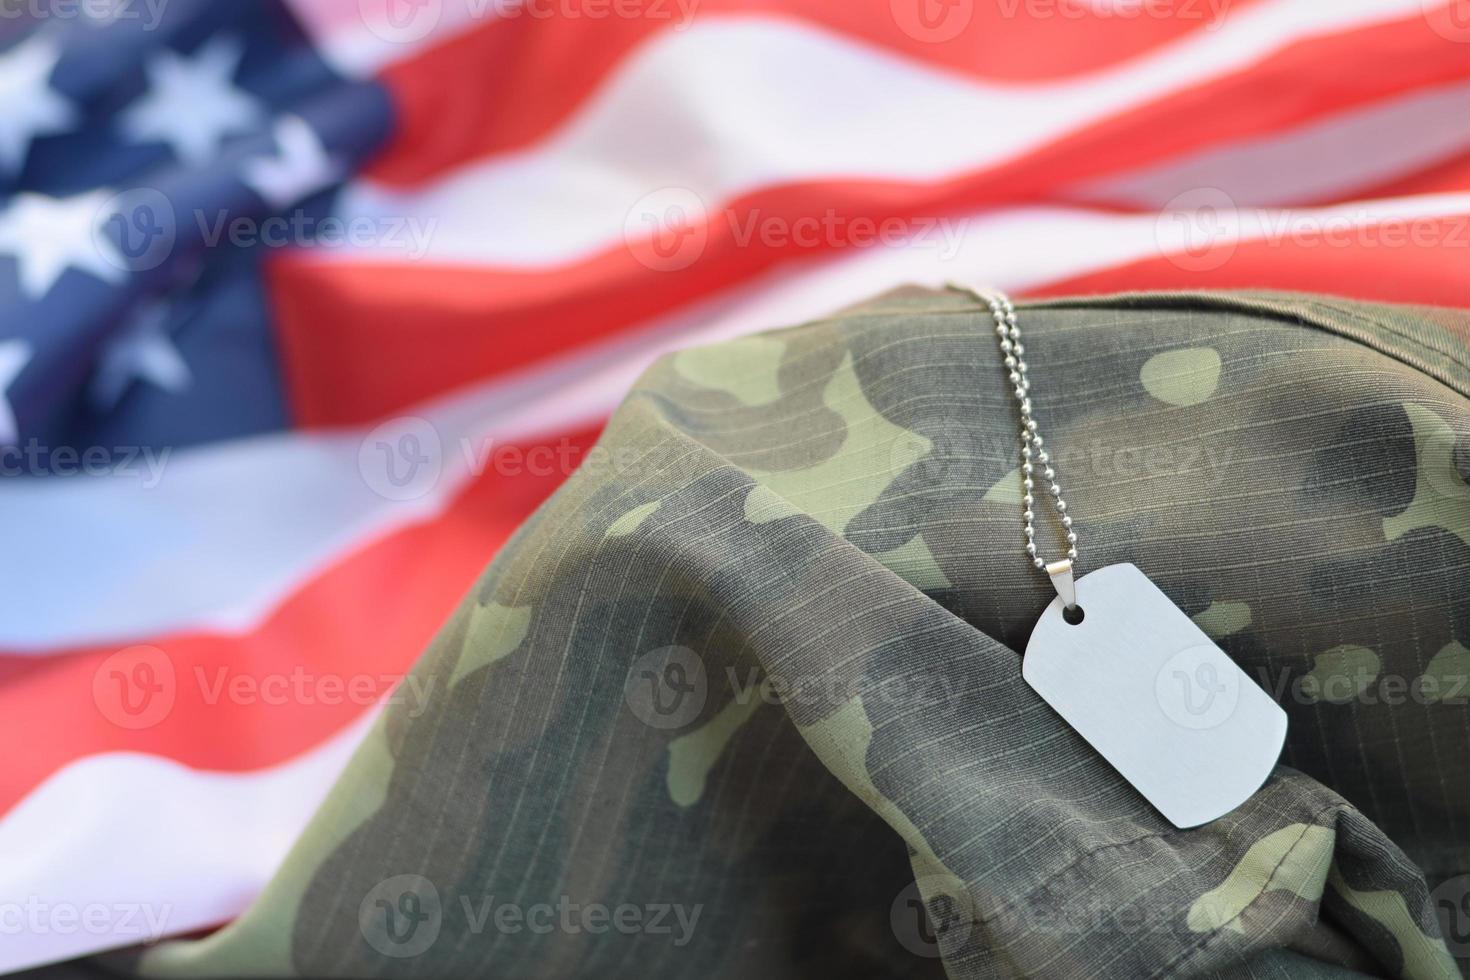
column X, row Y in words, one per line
column 1155, row 696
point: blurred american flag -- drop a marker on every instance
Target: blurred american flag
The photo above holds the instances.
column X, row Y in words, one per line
column 305, row 305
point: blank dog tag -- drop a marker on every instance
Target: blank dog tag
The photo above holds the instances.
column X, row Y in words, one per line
column 1155, row 696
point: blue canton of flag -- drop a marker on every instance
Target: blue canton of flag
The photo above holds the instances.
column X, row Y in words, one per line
column 132, row 137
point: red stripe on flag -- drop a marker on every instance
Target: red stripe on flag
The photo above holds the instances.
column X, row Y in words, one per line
column 360, row 341
column 1411, row 260
column 321, row 629
column 237, row 702
column 541, row 71
column 1308, row 80
column 1450, row 175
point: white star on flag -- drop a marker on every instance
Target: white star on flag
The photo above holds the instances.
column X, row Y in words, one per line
column 48, row 235
column 144, row 351
column 31, row 106
column 192, row 104
column 301, row 168
column 14, row 356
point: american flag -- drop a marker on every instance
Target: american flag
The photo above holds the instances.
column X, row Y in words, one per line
column 305, row 305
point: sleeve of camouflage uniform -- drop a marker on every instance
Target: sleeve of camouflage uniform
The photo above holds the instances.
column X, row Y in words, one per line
column 744, row 698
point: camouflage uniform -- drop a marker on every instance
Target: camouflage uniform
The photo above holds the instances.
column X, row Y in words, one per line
column 756, row 666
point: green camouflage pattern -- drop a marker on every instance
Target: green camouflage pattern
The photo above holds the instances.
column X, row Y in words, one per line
column 743, row 699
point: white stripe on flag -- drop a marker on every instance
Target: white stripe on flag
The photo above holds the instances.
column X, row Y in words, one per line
column 161, row 560
column 1329, row 158
column 113, row 848
column 776, row 102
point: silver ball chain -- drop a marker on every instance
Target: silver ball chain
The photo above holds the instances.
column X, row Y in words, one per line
column 1032, row 452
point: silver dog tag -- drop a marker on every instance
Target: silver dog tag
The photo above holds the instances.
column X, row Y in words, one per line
column 1155, row 696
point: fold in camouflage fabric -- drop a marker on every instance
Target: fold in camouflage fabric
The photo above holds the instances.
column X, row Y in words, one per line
column 744, row 698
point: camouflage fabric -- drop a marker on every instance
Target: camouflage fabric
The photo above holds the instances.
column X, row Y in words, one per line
column 744, row 698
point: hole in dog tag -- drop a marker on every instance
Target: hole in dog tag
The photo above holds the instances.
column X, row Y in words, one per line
column 1155, row 696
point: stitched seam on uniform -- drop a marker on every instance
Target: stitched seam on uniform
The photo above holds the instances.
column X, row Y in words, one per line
column 1116, row 845
column 1426, row 349
column 1178, row 963
column 1242, row 302
column 1290, row 308
column 1010, row 903
column 1365, row 317
column 863, row 313
column 1204, row 941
